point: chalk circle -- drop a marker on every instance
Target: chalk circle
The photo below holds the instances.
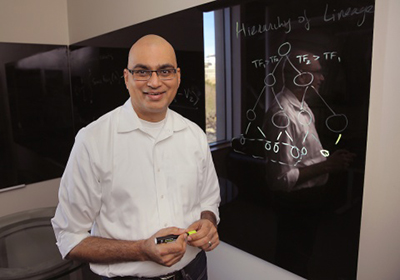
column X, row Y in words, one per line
column 289, row 47
column 242, row 140
column 303, row 74
column 251, row 115
column 337, row 123
column 304, row 112
column 294, row 148
column 276, row 115
column 324, row 153
column 267, row 79
column 304, row 151
column 276, row 147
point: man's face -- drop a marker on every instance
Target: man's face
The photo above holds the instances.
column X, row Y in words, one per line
column 150, row 99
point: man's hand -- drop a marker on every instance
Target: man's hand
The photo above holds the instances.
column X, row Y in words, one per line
column 166, row 254
column 206, row 236
column 339, row 161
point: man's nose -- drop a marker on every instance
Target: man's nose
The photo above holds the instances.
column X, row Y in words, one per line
column 154, row 80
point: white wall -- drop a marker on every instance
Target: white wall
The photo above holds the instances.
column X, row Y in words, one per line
column 33, row 196
column 37, row 22
column 64, row 22
column 379, row 255
column 91, row 18
column 229, row 263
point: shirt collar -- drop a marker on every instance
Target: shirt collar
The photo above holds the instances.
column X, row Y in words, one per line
column 289, row 95
column 128, row 120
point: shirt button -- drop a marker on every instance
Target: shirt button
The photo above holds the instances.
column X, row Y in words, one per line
column 165, row 225
column 162, row 196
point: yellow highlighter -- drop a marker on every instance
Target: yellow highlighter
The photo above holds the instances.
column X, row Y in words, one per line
column 170, row 238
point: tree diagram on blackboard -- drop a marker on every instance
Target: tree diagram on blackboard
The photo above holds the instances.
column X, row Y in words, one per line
column 288, row 133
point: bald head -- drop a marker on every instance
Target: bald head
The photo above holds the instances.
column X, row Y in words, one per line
column 151, row 44
column 152, row 94
column 302, row 69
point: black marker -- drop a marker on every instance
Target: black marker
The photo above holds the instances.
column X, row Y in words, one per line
column 170, row 238
column 166, row 239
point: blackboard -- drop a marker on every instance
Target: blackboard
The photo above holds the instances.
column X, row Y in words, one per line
column 49, row 92
column 98, row 86
column 85, row 78
column 97, row 66
column 36, row 116
column 338, row 33
column 313, row 232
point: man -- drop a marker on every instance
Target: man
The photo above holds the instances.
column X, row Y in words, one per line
column 298, row 169
column 296, row 157
column 139, row 172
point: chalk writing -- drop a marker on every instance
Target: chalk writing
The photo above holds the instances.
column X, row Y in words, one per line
column 109, row 78
column 285, row 141
column 251, row 30
column 188, row 97
column 304, row 19
column 305, row 58
column 328, row 55
column 349, row 12
column 329, row 15
column 257, row 63
column 338, row 139
column 106, row 57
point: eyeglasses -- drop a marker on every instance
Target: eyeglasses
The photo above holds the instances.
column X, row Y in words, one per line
column 145, row 75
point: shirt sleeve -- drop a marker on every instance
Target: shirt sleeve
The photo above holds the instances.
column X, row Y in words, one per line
column 79, row 198
column 282, row 176
column 288, row 152
column 210, row 192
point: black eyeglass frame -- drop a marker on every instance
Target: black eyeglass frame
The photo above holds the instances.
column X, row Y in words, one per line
column 150, row 73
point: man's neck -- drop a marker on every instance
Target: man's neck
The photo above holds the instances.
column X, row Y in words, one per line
column 297, row 91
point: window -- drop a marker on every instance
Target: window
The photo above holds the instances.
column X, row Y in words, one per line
column 219, row 83
column 210, row 79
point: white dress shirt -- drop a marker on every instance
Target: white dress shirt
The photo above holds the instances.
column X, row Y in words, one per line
column 120, row 183
column 293, row 143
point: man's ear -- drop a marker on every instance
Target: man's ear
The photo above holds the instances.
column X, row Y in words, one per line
column 126, row 77
column 304, row 78
column 178, row 72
